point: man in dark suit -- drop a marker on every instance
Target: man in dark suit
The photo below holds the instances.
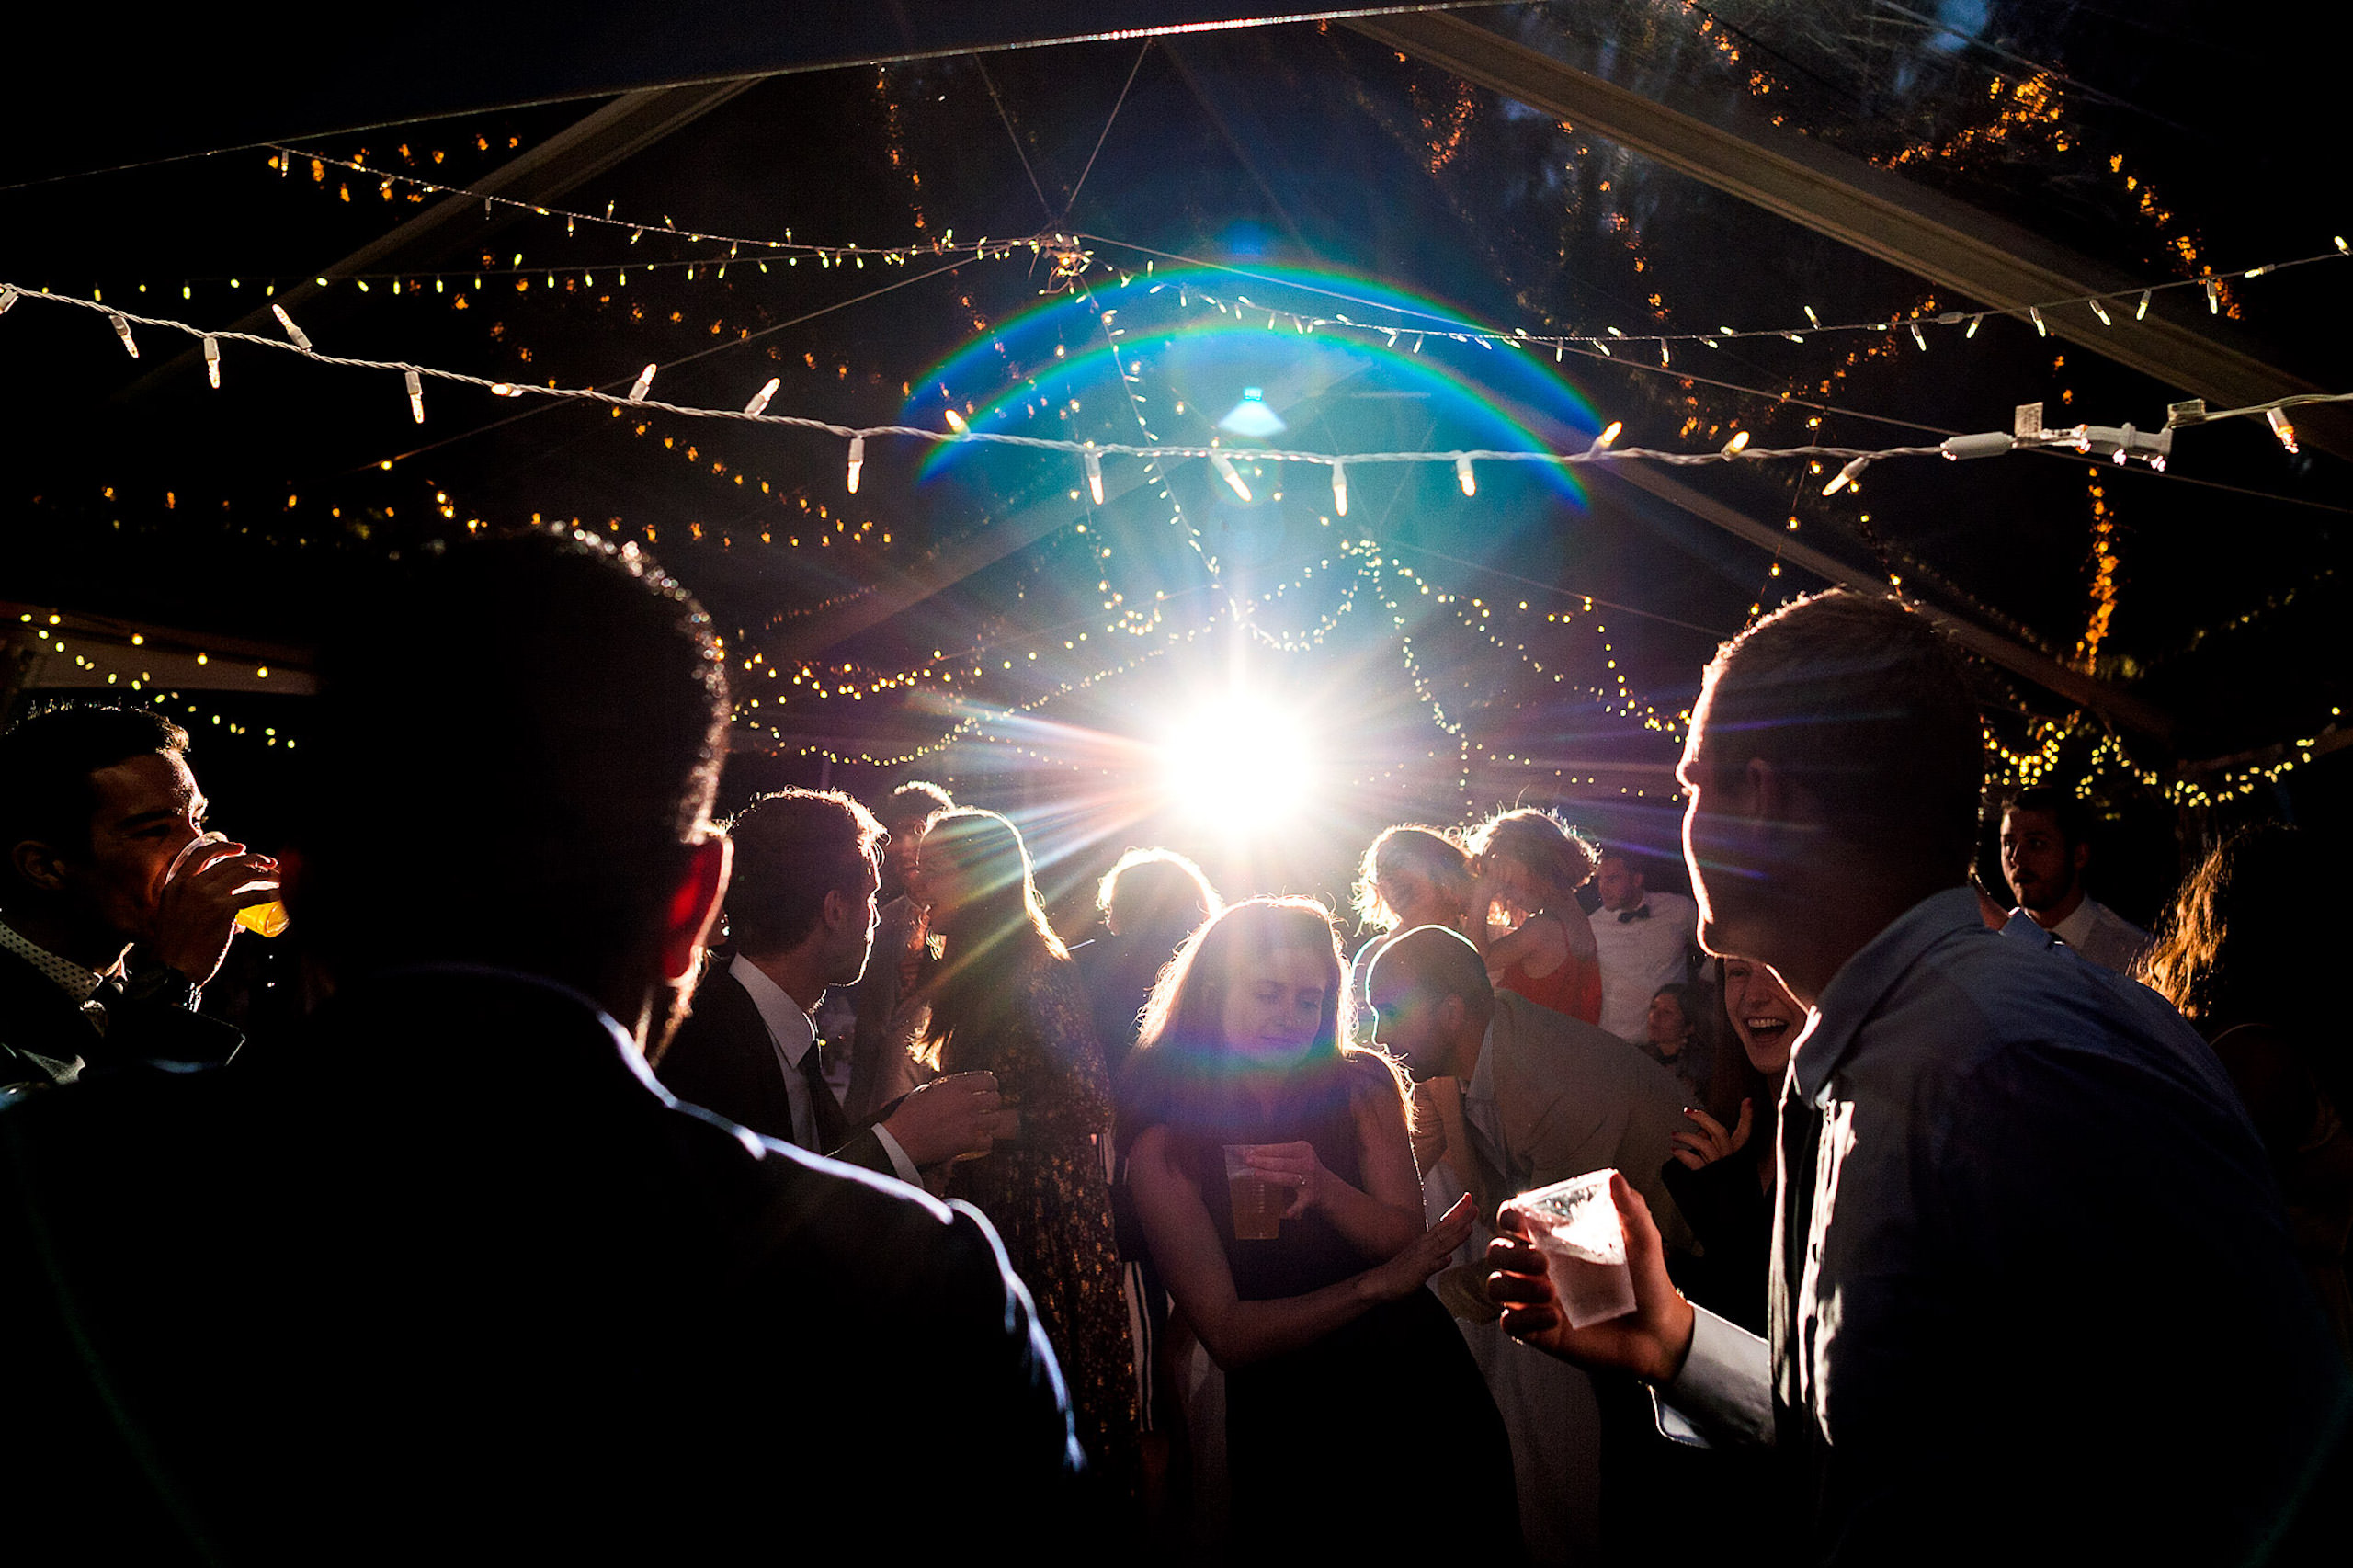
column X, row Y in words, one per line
column 801, row 909
column 105, row 946
column 451, row 1275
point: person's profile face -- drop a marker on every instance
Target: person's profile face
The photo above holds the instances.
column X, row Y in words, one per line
column 1762, row 1013
column 1405, row 1024
column 848, row 960
column 1666, row 1024
column 148, row 810
column 1415, row 899
column 2036, row 859
column 1274, row 1003
column 1617, row 883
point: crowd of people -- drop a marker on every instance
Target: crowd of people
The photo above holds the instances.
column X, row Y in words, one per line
column 630, row 1185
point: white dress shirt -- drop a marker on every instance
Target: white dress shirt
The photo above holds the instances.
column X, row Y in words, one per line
column 1639, row 955
column 2100, row 935
column 794, row 1037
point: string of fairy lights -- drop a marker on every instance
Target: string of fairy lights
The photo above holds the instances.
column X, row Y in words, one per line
column 2119, row 443
column 1607, row 343
column 1069, row 261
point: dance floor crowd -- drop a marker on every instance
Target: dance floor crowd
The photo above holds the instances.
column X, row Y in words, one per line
column 598, row 1182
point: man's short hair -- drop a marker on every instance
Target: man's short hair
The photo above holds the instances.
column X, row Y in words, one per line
column 519, row 743
column 47, row 759
column 792, row 848
column 1859, row 699
column 2067, row 811
column 915, row 798
column 1438, row 963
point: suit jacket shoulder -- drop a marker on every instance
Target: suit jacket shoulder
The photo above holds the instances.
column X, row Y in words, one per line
column 724, row 1060
column 1574, row 1098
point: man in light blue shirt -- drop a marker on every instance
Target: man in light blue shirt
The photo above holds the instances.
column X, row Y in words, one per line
column 2031, row 1291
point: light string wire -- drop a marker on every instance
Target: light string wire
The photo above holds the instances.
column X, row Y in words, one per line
column 1855, row 457
column 787, row 246
column 2133, row 297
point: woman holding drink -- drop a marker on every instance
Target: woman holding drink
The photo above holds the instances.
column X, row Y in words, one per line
column 1273, row 1175
column 1007, row 999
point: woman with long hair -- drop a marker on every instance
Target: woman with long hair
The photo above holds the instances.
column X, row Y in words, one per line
column 1008, row 999
column 1722, row 1175
column 2241, row 953
column 1530, row 865
column 1338, row 1361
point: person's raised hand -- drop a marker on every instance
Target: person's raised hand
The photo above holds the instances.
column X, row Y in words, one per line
column 1425, row 1255
column 196, row 911
column 950, row 1117
column 1294, row 1166
column 1650, row 1342
column 1711, row 1143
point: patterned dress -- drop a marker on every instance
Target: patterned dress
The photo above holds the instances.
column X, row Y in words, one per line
column 1047, row 1194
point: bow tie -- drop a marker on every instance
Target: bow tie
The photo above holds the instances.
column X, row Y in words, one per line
column 1625, row 915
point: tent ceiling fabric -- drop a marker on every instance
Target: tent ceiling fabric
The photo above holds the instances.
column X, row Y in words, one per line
column 293, row 77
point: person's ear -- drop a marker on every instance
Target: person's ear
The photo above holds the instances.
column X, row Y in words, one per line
column 1451, row 1014
column 694, row 905
column 39, row 864
column 2080, row 856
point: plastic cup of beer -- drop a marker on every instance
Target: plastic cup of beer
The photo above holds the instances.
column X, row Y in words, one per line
column 266, row 918
column 1259, row 1204
column 1575, row 1224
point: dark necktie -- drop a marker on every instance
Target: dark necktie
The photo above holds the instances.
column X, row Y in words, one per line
column 825, row 1111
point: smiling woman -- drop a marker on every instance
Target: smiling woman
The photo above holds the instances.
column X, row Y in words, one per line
column 1337, row 1356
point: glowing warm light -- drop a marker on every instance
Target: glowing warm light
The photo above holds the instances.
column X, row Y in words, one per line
column 1241, row 766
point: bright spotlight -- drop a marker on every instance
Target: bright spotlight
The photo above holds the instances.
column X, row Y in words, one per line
column 1242, row 766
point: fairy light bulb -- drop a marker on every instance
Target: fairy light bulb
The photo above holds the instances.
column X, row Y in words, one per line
column 1974, row 323
column 122, row 330
column 213, row 359
column 2213, row 296
column 1224, row 466
column 1845, row 477
column 1340, row 489
column 644, row 384
column 1608, row 437
column 1464, row 477
column 1919, row 337
column 2144, row 308
column 760, row 399
column 7, row 299
column 415, row 395
column 2278, row 419
column 856, row 460
column 294, row 334
column 1094, row 475
column 2101, row 310
column 956, row 421
column 1738, row 444
column 2042, row 328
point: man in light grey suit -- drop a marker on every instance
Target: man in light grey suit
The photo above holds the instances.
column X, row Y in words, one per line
column 1545, row 1096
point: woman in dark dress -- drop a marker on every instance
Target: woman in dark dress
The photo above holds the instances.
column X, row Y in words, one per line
column 1008, row 999
column 1722, row 1177
column 1340, row 1366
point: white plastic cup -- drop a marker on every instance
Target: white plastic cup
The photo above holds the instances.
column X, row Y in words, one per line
column 1575, row 1224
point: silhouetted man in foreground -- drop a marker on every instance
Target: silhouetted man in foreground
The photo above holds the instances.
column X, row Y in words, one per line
column 449, row 1277
column 2033, row 1293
